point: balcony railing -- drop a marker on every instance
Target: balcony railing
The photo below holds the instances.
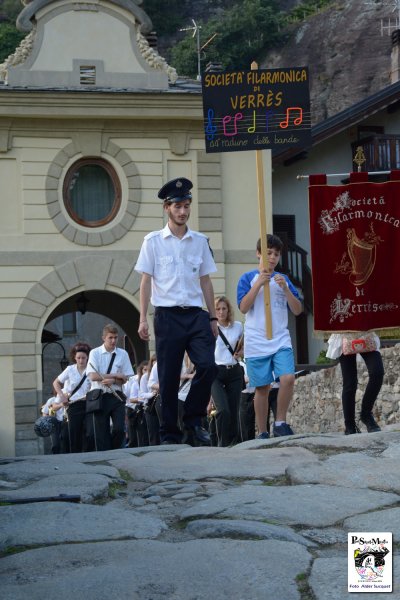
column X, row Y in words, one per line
column 382, row 152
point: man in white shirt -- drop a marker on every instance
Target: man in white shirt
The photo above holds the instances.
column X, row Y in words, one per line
column 176, row 263
column 108, row 369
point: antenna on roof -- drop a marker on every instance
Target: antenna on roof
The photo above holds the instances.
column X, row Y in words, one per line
column 196, row 32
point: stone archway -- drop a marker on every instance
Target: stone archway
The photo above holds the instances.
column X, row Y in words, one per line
column 105, row 273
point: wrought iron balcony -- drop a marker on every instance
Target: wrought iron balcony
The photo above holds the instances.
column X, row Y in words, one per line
column 382, row 152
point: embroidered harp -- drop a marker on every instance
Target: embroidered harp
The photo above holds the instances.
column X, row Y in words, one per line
column 362, row 255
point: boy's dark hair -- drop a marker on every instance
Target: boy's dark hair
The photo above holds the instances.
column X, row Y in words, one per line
column 273, row 241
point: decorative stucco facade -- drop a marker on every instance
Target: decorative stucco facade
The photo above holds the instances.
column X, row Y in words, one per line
column 144, row 121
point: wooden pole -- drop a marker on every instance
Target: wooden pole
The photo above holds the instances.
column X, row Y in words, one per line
column 263, row 231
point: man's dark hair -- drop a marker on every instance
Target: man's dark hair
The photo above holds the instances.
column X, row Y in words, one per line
column 273, row 241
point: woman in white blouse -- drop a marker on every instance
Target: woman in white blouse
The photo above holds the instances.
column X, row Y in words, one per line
column 348, row 364
column 134, row 407
column 227, row 386
column 145, row 393
column 72, row 386
column 152, row 411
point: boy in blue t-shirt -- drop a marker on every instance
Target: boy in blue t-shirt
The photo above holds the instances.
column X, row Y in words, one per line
column 263, row 356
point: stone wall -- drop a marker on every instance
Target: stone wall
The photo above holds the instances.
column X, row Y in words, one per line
column 317, row 406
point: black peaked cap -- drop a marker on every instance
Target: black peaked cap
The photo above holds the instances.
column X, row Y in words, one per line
column 176, row 190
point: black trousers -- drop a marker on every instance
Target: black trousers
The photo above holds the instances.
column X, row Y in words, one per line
column 153, row 428
column 176, row 330
column 104, row 438
column 348, row 365
column 247, row 417
column 132, row 419
column 75, row 427
column 141, row 430
column 55, row 438
column 226, row 391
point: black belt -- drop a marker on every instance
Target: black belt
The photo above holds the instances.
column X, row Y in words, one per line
column 180, row 309
column 228, row 366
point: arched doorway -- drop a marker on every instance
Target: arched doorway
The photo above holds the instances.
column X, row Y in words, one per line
column 81, row 317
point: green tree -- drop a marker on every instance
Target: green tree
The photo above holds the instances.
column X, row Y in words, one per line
column 10, row 38
column 245, row 31
column 11, row 9
column 166, row 15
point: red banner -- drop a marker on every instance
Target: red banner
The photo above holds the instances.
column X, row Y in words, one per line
column 355, row 251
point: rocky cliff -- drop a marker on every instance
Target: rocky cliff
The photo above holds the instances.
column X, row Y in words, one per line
column 343, row 47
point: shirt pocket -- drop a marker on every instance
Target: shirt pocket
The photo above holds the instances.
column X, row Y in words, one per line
column 165, row 266
column 194, row 264
column 117, row 367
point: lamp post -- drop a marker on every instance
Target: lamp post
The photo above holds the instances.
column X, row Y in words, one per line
column 64, row 362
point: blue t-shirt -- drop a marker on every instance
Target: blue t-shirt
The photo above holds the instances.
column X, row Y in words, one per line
column 256, row 343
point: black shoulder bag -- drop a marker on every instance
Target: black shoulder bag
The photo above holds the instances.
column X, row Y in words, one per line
column 94, row 397
column 232, row 351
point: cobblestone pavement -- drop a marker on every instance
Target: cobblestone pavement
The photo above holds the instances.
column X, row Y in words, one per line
column 267, row 519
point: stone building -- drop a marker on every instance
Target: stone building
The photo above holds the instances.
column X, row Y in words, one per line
column 92, row 122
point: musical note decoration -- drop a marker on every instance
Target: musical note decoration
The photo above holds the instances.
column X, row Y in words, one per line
column 296, row 121
column 210, row 128
column 227, row 119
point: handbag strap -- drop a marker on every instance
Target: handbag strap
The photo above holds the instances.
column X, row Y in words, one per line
column 227, row 344
column 76, row 388
column 111, row 363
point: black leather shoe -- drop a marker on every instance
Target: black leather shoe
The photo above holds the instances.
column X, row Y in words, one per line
column 350, row 429
column 370, row 423
column 196, row 436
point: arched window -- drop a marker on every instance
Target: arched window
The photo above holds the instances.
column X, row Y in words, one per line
column 92, row 192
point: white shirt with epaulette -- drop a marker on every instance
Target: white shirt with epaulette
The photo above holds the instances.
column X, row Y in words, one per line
column 176, row 265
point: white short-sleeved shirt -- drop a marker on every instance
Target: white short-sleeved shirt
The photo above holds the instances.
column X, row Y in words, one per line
column 100, row 359
column 233, row 333
column 256, row 343
column 175, row 266
column 70, row 378
column 46, row 408
column 131, row 390
column 153, row 377
column 184, row 386
column 144, row 391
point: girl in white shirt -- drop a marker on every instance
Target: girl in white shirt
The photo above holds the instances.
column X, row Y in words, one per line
column 55, row 408
column 72, row 386
column 152, row 410
column 134, row 407
column 227, row 386
column 144, row 395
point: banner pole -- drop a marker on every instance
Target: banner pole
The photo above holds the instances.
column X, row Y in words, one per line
column 263, row 231
column 346, row 174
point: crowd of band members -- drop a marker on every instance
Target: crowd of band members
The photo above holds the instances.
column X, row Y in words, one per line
column 230, row 414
